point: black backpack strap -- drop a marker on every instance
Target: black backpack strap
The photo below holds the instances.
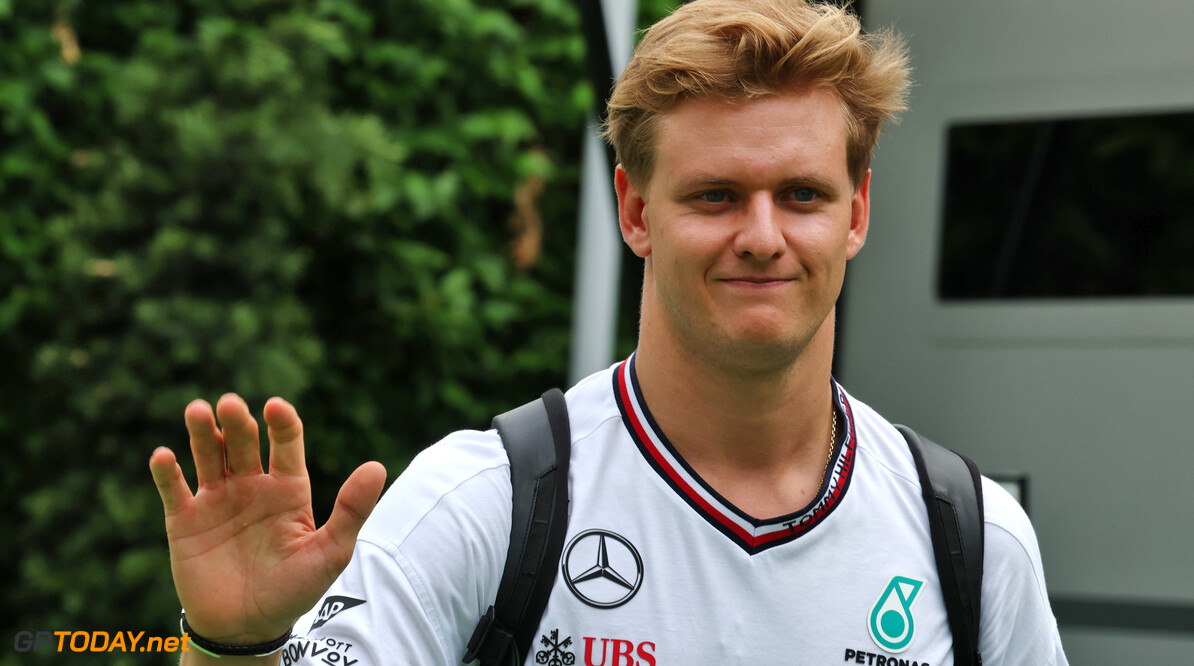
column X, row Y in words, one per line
column 538, row 442
column 953, row 496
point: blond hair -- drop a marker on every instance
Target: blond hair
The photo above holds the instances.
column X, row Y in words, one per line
column 744, row 49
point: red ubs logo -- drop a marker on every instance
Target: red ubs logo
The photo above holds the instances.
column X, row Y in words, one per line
column 618, row 652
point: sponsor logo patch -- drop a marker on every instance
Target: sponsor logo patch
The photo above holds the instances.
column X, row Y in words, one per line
column 333, row 606
column 555, row 652
column 891, row 623
column 602, row 569
column 618, row 652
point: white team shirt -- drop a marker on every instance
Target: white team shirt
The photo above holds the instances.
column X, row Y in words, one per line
column 659, row 570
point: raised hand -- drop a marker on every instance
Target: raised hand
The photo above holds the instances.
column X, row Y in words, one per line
column 245, row 553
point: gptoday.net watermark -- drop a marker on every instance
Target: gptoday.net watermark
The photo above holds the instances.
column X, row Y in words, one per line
column 98, row 641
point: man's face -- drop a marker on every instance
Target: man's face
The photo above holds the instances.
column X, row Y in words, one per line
column 746, row 224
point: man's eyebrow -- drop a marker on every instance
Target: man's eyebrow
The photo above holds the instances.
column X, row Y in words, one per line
column 793, row 182
column 814, row 181
column 689, row 186
column 706, row 181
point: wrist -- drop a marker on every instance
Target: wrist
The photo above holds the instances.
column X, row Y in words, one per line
column 219, row 649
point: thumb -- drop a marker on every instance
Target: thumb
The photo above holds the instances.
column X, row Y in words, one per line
column 354, row 503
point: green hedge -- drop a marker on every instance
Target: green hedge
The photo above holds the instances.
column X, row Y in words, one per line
column 366, row 207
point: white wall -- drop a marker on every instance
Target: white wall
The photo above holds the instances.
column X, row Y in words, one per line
column 1094, row 400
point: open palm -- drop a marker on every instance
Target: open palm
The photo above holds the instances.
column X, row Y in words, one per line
column 246, row 555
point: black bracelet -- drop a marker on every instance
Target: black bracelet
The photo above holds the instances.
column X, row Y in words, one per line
column 217, row 650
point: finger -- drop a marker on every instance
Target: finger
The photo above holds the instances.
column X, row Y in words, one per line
column 167, row 476
column 286, row 449
column 354, row 503
column 207, row 445
column 242, row 446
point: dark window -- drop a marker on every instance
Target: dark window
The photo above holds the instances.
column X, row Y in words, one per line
column 1076, row 208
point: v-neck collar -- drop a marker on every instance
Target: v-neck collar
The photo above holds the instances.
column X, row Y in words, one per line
column 752, row 534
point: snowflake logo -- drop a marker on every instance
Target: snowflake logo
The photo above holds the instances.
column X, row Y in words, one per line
column 556, row 653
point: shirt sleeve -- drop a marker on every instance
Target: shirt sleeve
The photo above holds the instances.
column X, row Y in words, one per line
column 425, row 567
column 1018, row 626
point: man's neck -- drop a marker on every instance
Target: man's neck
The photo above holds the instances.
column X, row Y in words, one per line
column 744, row 429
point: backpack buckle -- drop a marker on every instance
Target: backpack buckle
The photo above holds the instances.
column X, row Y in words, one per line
column 479, row 634
column 489, row 641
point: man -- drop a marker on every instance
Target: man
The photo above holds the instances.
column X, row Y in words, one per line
column 730, row 503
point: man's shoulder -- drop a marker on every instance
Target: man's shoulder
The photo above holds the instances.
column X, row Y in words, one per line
column 879, row 440
column 461, row 480
column 1009, row 532
column 592, row 403
column 464, row 478
column 456, row 460
column 1018, row 625
column 1001, row 512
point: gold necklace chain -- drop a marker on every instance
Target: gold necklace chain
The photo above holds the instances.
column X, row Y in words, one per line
column 832, row 444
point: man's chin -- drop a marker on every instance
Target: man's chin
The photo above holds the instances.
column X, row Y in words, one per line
column 758, row 354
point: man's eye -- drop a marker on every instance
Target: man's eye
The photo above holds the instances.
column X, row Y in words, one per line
column 715, row 196
column 804, row 195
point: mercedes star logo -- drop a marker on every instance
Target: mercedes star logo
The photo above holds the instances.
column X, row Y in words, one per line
column 602, row 569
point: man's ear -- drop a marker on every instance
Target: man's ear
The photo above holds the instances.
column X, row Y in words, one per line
column 860, row 216
column 632, row 214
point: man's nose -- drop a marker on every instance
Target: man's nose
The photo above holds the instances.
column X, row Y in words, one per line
column 759, row 232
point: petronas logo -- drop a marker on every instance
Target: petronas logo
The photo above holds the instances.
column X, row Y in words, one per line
column 891, row 622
